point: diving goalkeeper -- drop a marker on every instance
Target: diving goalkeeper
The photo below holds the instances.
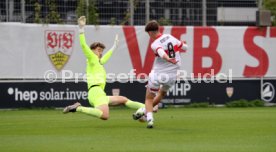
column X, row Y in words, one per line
column 96, row 79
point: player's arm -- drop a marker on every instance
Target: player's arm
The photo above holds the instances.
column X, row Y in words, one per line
column 181, row 44
column 161, row 52
column 109, row 53
column 85, row 48
column 158, row 50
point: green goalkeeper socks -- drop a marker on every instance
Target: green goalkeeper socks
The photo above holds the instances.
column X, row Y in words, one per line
column 90, row 111
column 134, row 104
column 98, row 113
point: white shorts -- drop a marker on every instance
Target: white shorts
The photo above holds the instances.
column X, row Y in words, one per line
column 162, row 81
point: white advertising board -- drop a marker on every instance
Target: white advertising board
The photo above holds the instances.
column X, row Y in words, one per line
column 29, row 50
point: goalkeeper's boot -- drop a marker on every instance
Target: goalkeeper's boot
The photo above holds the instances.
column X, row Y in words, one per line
column 150, row 124
column 71, row 108
column 138, row 114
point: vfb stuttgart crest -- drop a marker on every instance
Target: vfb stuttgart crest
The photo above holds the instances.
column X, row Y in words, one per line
column 59, row 46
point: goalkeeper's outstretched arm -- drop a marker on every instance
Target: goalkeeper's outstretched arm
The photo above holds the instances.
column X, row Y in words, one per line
column 109, row 53
column 85, row 48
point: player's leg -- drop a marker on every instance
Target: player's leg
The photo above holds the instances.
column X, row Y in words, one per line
column 164, row 89
column 105, row 111
column 152, row 89
column 160, row 95
column 117, row 100
column 95, row 112
column 142, row 111
column 98, row 99
column 149, row 107
column 77, row 107
column 157, row 99
column 101, row 109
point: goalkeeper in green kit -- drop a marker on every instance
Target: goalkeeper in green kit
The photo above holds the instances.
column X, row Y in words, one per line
column 96, row 79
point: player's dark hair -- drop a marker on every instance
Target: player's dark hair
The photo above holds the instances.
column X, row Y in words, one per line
column 152, row 26
column 97, row 44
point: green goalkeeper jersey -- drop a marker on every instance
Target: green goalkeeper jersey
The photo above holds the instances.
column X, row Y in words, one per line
column 95, row 72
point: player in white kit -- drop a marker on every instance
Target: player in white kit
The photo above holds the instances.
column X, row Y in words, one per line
column 164, row 72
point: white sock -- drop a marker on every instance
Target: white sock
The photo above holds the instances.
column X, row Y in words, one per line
column 149, row 116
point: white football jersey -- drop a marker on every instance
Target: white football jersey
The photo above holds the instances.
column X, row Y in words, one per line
column 165, row 41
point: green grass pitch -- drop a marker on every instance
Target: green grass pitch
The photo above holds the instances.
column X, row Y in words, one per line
column 176, row 129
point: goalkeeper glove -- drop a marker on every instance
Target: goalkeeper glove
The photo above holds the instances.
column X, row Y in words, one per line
column 82, row 23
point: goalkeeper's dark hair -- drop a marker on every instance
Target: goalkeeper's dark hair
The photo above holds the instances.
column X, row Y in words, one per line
column 94, row 45
column 152, row 26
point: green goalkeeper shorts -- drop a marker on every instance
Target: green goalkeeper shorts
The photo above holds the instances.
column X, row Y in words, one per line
column 97, row 96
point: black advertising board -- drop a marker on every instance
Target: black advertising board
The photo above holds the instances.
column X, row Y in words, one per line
column 58, row 94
